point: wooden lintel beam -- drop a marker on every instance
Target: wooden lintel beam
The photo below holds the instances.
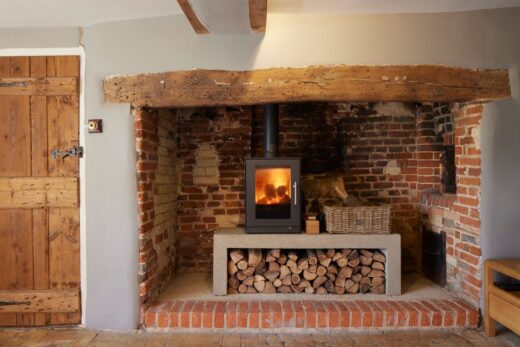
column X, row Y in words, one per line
column 192, row 17
column 258, row 15
column 39, row 86
column 337, row 83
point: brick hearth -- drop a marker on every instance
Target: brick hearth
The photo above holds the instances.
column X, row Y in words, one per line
column 305, row 315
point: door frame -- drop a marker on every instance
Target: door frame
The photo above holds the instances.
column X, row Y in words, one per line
column 70, row 51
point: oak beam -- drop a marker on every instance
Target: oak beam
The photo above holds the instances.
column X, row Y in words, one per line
column 192, row 17
column 258, row 15
column 407, row 83
column 44, row 86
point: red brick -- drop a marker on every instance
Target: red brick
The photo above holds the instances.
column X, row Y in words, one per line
column 196, row 314
column 243, row 311
column 378, row 314
column 186, row 314
column 277, row 315
column 413, row 313
column 207, row 315
column 367, row 318
column 435, row 313
column 310, row 314
column 334, row 314
column 231, row 315
column 401, row 318
column 266, row 314
column 220, row 315
column 299, row 314
column 321, row 314
column 344, row 315
column 460, row 313
column 287, row 314
column 254, row 315
column 175, row 314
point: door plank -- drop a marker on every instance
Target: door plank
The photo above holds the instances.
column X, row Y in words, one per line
column 21, row 154
column 64, row 246
column 39, row 153
column 47, row 300
column 39, row 86
column 34, row 192
column 7, row 259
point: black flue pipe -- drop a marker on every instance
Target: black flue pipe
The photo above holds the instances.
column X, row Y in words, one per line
column 271, row 130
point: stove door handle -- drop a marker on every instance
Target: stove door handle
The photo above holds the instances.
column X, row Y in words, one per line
column 295, row 192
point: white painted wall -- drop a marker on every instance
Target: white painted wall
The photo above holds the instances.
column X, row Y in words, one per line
column 475, row 39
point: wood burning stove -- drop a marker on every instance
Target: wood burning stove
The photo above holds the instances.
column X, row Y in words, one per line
column 272, row 185
column 273, row 195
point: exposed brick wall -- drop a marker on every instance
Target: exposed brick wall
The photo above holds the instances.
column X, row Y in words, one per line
column 459, row 215
column 157, row 199
column 310, row 131
column 212, row 146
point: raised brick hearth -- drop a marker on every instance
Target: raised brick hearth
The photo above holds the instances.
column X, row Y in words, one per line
column 305, row 315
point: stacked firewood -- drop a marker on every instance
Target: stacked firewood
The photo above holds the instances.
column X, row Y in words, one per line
column 319, row 271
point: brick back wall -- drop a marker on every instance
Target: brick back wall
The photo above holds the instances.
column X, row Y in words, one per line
column 459, row 214
column 381, row 166
column 310, row 131
column 157, row 198
column 212, row 146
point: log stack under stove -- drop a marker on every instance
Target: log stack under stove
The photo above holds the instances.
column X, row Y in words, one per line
column 320, row 271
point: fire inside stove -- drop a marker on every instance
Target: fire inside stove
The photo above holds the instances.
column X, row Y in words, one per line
column 273, row 192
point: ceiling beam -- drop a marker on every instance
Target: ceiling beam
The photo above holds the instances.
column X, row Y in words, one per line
column 258, row 15
column 336, row 83
column 192, row 17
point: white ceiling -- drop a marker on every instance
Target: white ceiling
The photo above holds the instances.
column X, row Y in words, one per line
column 45, row 13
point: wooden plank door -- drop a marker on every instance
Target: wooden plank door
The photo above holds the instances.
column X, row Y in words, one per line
column 39, row 195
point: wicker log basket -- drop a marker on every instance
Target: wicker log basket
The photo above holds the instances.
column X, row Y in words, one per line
column 358, row 219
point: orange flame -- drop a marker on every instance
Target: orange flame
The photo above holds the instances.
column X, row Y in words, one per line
column 273, row 186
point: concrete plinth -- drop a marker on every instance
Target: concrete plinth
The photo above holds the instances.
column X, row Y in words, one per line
column 226, row 239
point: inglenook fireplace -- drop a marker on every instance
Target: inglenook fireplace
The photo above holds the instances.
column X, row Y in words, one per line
column 272, row 185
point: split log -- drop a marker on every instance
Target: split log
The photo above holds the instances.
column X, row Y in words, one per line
column 357, row 277
column 340, row 290
column 337, row 256
column 318, row 282
column 323, row 258
column 303, row 264
column 291, row 264
column 340, row 282
column 236, row 255
column 251, row 290
column 332, row 269
column 283, row 259
column 277, row 282
column 270, row 258
column 249, row 281
column 232, row 268
column 329, row 285
column 285, row 289
column 364, row 288
column 274, row 266
column 345, row 252
column 342, row 262
column 330, row 252
column 271, row 275
column 269, row 288
column 331, row 277
column 309, row 290
column 260, row 268
column 321, row 290
column 365, row 270
column 349, row 283
column 353, row 263
column 296, row 289
column 286, row 281
column 304, row 284
column 321, row 270
column 293, row 256
column 284, row 271
column 249, row 270
column 378, row 266
column 309, row 276
column 378, row 256
column 346, row 272
column 295, row 278
column 242, row 264
column 367, row 253
column 311, row 257
column 254, row 256
column 241, row 275
column 364, row 260
column 233, row 282
column 242, row 288
column 376, row 273
column 353, row 255
column 378, row 290
column 276, row 252
column 377, row 281
column 354, row 289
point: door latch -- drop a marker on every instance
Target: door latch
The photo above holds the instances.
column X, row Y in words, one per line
column 73, row 152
